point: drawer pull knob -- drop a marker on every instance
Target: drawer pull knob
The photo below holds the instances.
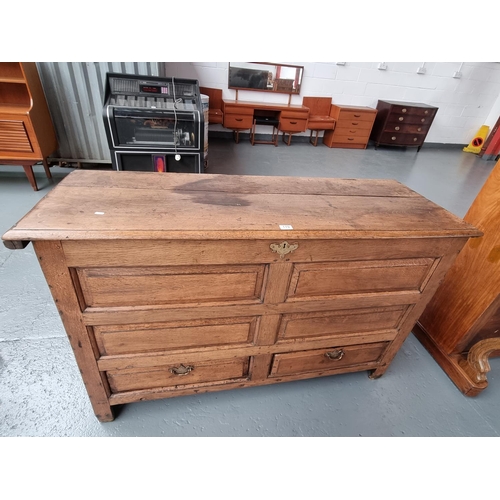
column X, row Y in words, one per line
column 404, row 110
column 422, row 120
column 181, row 370
column 393, row 137
column 426, row 112
column 283, row 248
column 401, row 118
column 419, row 129
column 396, row 128
column 337, row 354
column 415, row 139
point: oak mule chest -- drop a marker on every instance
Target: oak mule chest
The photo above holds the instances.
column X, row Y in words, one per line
column 173, row 284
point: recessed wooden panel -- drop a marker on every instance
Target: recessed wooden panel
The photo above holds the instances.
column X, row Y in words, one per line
column 329, row 323
column 323, row 279
column 165, row 376
column 129, row 339
column 319, row 360
column 171, row 285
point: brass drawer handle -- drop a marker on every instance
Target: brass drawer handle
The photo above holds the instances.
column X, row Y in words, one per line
column 401, row 118
column 181, row 370
column 396, row 128
column 404, row 110
column 336, row 355
column 283, row 248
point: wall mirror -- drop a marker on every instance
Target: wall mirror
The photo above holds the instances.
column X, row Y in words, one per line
column 265, row 77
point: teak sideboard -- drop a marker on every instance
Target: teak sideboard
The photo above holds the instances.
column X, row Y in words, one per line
column 174, row 284
column 27, row 135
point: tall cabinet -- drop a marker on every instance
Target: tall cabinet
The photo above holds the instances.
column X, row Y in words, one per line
column 27, row 134
column 461, row 325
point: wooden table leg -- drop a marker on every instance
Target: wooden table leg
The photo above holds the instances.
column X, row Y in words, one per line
column 46, row 167
column 28, row 169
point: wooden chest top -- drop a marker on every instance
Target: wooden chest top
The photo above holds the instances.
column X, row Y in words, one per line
column 148, row 205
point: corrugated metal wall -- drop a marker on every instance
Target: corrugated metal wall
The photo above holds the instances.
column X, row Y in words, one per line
column 75, row 96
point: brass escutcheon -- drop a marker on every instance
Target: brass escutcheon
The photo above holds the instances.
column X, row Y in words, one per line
column 283, row 248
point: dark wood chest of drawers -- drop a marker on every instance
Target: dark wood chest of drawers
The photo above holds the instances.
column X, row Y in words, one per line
column 352, row 129
column 402, row 123
column 175, row 284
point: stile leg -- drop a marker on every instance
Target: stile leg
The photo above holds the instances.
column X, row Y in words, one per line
column 28, row 170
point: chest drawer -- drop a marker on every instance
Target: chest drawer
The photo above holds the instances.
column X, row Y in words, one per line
column 353, row 125
column 401, row 139
column 355, row 116
column 179, row 375
column 326, row 360
column 412, row 110
column 405, row 128
column 236, row 121
column 293, row 124
column 394, row 119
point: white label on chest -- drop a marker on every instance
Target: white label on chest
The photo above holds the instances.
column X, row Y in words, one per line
column 285, row 227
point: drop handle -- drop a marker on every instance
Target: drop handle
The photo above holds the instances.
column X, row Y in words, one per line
column 181, row 370
column 239, row 119
column 293, row 123
column 337, row 354
column 357, row 116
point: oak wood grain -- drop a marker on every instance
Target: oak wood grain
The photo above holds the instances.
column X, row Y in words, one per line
column 180, row 284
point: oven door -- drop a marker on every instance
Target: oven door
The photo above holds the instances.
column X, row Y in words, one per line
column 156, row 128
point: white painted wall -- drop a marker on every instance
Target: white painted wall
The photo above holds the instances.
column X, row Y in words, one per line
column 464, row 104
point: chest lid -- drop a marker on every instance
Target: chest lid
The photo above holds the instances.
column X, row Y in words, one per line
column 150, row 205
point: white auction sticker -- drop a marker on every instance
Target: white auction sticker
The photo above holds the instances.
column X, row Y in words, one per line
column 285, row 227
column 99, row 213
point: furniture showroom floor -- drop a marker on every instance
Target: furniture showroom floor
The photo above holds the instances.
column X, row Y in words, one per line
column 42, row 394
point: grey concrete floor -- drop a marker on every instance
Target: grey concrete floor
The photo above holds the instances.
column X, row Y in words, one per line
column 42, row 394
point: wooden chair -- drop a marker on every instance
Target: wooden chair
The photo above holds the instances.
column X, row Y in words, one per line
column 319, row 116
column 215, row 114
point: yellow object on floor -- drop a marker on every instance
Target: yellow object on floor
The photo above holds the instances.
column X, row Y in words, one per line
column 477, row 143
